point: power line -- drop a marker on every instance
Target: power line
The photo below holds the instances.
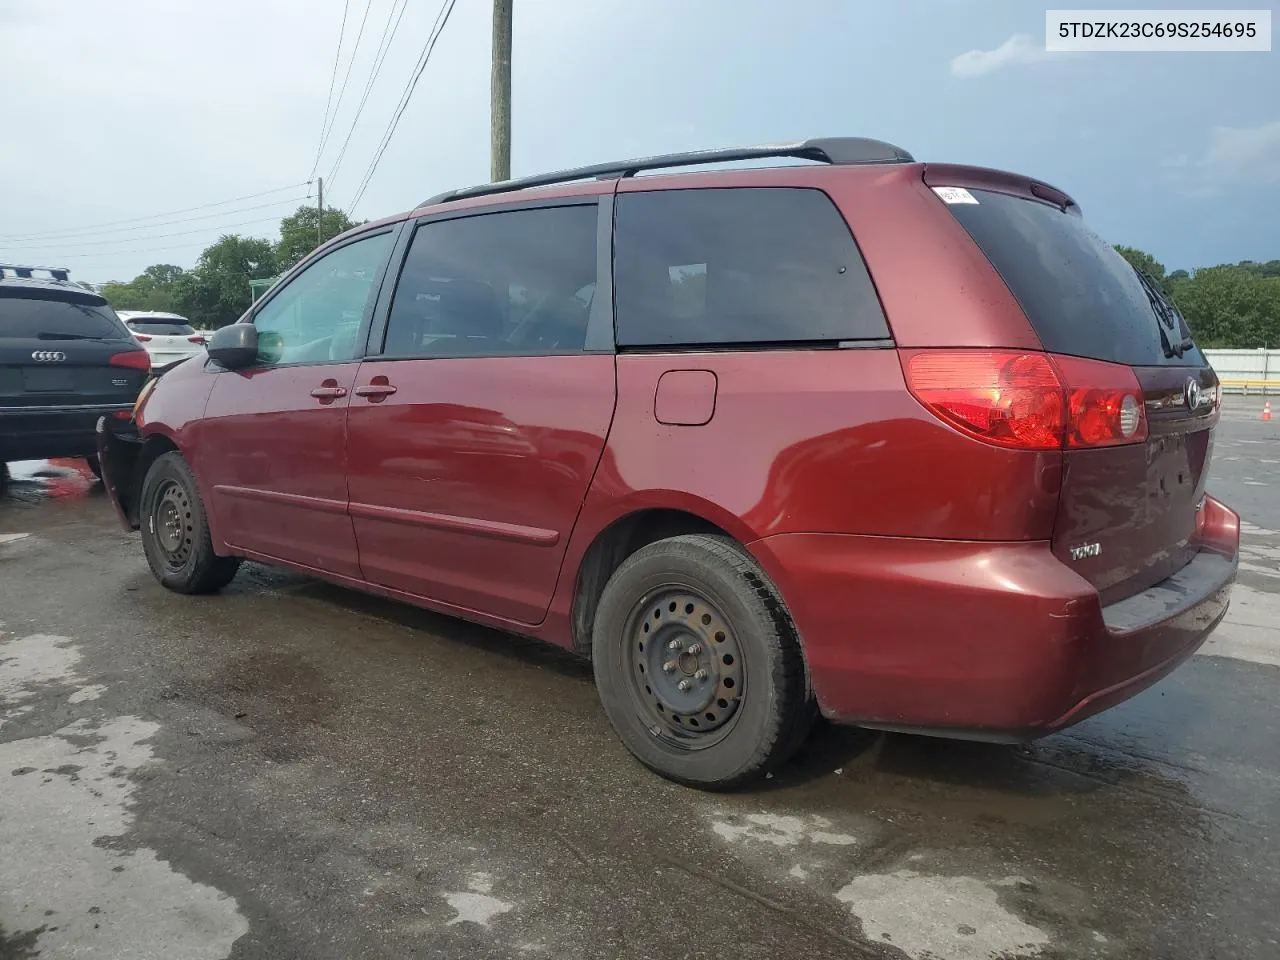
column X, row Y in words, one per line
column 160, row 236
column 406, row 93
column 186, row 245
column 44, row 241
column 337, row 103
column 333, row 78
column 379, row 58
column 442, row 19
column 168, row 213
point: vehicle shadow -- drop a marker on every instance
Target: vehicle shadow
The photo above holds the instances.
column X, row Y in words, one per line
column 473, row 636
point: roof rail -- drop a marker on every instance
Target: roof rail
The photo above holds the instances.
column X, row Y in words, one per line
column 57, row 273
column 838, row 151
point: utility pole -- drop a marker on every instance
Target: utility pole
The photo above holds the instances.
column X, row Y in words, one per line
column 320, row 211
column 500, row 93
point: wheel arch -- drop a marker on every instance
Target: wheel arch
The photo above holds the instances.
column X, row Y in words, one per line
column 616, row 541
column 153, row 447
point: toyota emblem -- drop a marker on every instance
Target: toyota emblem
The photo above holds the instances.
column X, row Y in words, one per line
column 1192, row 393
column 48, row 356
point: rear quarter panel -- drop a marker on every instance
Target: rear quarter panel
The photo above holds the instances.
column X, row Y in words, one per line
column 806, row 441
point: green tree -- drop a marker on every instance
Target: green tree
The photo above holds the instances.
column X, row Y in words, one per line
column 1145, row 262
column 1231, row 306
column 298, row 235
column 156, row 288
column 216, row 292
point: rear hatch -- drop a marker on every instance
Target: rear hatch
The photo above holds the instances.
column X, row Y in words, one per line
column 60, row 346
column 166, row 338
column 1127, row 513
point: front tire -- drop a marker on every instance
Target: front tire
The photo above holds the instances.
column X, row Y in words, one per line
column 175, row 530
column 698, row 664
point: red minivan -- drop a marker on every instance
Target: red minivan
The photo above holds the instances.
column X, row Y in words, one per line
column 903, row 443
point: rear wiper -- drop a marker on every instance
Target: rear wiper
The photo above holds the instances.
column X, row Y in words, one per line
column 65, row 336
column 1167, row 315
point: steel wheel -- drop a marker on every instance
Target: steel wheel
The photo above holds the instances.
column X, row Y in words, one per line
column 172, row 525
column 687, row 671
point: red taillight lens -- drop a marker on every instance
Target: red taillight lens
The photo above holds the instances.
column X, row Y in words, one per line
column 1003, row 397
column 196, row 339
column 1104, row 403
column 1029, row 401
column 142, row 337
column 134, row 360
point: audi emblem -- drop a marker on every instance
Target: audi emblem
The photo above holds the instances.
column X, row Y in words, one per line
column 48, row 356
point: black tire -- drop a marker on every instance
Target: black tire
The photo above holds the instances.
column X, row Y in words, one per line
column 94, row 466
column 175, row 531
column 698, row 610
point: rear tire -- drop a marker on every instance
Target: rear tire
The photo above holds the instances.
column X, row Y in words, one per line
column 175, row 530
column 698, row 664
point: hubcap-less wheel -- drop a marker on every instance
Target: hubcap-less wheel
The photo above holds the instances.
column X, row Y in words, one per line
column 171, row 523
column 687, row 670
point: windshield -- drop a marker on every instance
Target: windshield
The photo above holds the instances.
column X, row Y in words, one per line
column 1081, row 296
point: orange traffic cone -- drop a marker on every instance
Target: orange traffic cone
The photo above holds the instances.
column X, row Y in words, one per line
column 1266, row 410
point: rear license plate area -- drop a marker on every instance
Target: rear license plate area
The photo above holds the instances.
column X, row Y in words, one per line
column 40, row 380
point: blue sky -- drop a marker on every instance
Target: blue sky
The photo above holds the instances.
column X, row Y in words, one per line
column 1178, row 154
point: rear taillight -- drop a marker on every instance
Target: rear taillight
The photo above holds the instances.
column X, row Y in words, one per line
column 197, row 339
column 1103, row 403
column 1029, row 401
column 142, row 337
column 133, row 359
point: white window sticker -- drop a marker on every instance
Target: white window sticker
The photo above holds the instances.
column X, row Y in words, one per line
column 955, row 195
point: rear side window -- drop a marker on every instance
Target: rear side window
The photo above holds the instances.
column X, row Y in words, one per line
column 29, row 316
column 1082, row 298
column 497, row 284
column 739, row 266
column 161, row 328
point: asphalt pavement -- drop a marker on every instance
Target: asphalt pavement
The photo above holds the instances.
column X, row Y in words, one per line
column 293, row 770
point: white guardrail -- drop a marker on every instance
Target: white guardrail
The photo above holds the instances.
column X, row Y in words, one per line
column 1247, row 371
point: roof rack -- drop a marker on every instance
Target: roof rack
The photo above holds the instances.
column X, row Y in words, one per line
column 57, row 273
column 838, row 151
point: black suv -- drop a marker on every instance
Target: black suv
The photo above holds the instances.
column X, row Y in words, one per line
column 65, row 360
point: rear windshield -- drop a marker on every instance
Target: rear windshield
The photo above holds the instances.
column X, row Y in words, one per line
column 31, row 317
column 1081, row 297
column 161, row 328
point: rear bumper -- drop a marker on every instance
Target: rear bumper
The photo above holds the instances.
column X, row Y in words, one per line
column 164, row 358
column 30, row 433
column 984, row 640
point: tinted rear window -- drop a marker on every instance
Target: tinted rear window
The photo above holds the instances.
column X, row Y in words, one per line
column 161, row 328
column 1081, row 297
column 739, row 266
column 27, row 317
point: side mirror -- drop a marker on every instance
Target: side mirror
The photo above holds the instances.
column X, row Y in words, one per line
column 235, row 346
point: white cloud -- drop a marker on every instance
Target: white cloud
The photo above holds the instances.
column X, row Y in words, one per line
column 1238, row 154
column 1020, row 48
column 1234, row 156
